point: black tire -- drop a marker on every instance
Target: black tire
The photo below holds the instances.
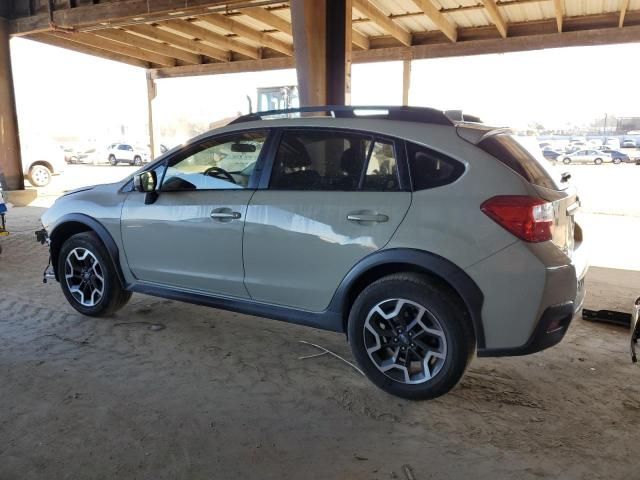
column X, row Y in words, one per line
column 114, row 297
column 598, row 161
column 137, row 161
column 617, row 161
column 450, row 315
column 566, row 160
column 39, row 176
column 112, row 160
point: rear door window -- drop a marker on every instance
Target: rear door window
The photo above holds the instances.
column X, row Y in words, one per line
column 333, row 160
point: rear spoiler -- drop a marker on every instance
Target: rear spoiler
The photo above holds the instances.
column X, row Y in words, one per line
column 459, row 116
column 475, row 133
column 471, row 128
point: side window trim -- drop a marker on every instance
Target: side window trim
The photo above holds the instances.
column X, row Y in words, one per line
column 269, row 157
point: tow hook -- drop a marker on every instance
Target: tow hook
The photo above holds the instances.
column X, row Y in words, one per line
column 42, row 236
column 49, row 274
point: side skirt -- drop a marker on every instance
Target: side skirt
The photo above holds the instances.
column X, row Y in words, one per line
column 327, row 320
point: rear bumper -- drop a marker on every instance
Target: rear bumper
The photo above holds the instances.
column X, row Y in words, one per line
column 550, row 331
column 531, row 293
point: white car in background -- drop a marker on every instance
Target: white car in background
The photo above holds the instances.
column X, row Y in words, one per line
column 41, row 160
column 126, row 153
column 586, row 156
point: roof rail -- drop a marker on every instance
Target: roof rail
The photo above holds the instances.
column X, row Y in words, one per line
column 405, row 114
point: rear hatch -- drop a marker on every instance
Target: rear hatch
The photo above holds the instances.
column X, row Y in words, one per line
column 524, row 157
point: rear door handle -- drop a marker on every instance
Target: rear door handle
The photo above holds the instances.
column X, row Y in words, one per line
column 367, row 217
column 225, row 214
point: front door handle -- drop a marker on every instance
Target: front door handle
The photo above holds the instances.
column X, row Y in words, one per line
column 225, row 215
column 367, row 217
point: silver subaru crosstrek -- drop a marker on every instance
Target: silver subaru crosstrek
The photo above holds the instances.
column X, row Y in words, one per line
column 425, row 236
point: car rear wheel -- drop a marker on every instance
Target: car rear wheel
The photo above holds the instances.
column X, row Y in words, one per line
column 598, row 161
column 88, row 278
column 137, row 161
column 566, row 160
column 112, row 160
column 39, row 176
column 410, row 337
column 617, row 161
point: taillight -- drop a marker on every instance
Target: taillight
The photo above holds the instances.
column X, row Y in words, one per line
column 528, row 218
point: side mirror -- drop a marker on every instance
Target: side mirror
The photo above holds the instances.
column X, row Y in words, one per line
column 145, row 182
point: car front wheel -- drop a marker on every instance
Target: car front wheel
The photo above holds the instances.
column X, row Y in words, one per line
column 88, row 278
column 39, row 176
column 137, row 161
column 566, row 160
column 410, row 337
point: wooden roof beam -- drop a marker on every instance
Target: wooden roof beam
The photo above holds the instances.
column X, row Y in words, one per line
column 379, row 18
column 111, row 12
column 434, row 14
column 274, row 21
column 623, row 11
column 181, row 42
column 558, row 7
column 206, row 35
column 360, row 39
column 62, row 42
column 117, row 47
column 150, row 45
column 268, row 18
column 233, row 26
column 496, row 16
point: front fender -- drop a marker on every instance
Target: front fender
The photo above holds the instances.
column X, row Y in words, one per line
column 73, row 223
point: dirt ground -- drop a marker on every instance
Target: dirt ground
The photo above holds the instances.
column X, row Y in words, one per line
column 223, row 395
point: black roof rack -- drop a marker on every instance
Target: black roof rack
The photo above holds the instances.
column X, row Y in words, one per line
column 405, row 114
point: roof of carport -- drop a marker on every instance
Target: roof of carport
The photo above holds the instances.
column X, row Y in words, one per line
column 191, row 37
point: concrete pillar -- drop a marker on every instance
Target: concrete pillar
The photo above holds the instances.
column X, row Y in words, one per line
column 322, row 39
column 10, row 162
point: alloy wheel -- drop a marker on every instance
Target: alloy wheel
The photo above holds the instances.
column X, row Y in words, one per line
column 84, row 277
column 405, row 341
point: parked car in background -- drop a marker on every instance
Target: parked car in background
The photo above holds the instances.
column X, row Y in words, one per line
column 88, row 155
column 586, row 156
column 616, row 155
column 575, row 146
column 69, row 154
column 551, row 154
column 345, row 223
column 612, row 142
column 126, row 153
column 41, row 160
column 629, row 143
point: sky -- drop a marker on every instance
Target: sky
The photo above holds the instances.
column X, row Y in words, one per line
column 64, row 93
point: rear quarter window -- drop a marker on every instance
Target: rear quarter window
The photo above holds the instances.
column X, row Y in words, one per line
column 522, row 159
column 431, row 169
